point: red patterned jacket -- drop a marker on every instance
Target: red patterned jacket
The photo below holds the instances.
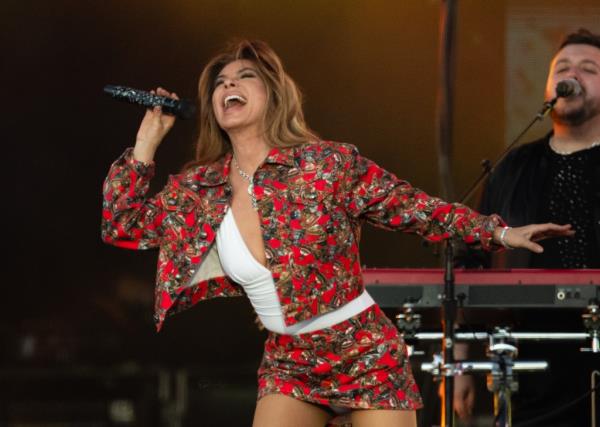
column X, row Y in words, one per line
column 312, row 200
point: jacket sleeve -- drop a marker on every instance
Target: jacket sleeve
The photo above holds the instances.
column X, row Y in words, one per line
column 370, row 192
column 130, row 219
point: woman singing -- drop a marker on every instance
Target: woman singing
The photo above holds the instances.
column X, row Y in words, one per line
column 268, row 210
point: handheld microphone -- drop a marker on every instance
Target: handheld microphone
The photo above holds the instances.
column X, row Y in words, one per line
column 567, row 88
column 182, row 108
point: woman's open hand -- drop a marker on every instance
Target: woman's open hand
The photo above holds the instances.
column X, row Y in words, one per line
column 526, row 236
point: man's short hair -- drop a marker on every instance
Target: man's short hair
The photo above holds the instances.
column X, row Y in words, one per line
column 582, row 36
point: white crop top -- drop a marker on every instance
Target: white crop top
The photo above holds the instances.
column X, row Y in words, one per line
column 241, row 266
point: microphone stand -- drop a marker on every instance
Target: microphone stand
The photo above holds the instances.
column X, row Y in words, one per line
column 449, row 303
column 485, row 164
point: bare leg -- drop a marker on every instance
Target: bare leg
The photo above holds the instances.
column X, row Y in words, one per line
column 277, row 410
column 383, row 418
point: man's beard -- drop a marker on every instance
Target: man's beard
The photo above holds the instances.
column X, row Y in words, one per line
column 576, row 116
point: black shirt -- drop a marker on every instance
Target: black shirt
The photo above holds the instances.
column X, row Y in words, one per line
column 567, row 198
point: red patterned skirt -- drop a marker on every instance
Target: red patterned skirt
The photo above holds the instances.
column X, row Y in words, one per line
column 360, row 363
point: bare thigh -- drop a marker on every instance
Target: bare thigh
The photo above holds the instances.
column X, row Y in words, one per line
column 383, row 418
column 277, row 410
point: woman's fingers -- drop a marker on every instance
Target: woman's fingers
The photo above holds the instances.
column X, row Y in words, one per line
column 167, row 119
column 526, row 236
column 153, row 128
column 543, row 231
column 533, row 247
column 522, row 237
column 556, row 227
column 163, row 92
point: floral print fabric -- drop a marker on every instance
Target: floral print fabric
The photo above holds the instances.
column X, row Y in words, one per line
column 359, row 363
column 312, row 200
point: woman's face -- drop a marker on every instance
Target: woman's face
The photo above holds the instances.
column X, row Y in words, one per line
column 240, row 97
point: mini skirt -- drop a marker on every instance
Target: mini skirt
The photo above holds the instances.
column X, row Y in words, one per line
column 359, row 363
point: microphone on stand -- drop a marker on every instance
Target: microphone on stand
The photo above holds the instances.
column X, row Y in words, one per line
column 182, row 108
column 564, row 89
column 567, row 88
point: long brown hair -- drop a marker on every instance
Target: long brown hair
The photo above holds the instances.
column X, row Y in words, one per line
column 284, row 119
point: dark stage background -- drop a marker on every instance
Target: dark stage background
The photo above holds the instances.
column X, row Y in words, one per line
column 77, row 344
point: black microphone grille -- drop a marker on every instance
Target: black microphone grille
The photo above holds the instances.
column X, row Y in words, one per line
column 187, row 109
column 568, row 87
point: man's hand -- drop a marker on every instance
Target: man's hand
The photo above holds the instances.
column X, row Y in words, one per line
column 464, row 396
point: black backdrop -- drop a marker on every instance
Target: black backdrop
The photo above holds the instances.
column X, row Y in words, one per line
column 368, row 70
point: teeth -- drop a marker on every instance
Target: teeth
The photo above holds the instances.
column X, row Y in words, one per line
column 230, row 98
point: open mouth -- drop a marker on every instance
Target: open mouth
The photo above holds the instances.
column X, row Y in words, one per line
column 233, row 100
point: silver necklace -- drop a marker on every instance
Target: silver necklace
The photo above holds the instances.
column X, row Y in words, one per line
column 248, row 178
column 566, row 153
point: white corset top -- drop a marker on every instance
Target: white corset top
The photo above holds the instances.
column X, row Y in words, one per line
column 241, row 266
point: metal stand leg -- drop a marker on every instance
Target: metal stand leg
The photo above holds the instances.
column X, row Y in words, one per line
column 591, row 322
column 502, row 382
column 502, row 409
